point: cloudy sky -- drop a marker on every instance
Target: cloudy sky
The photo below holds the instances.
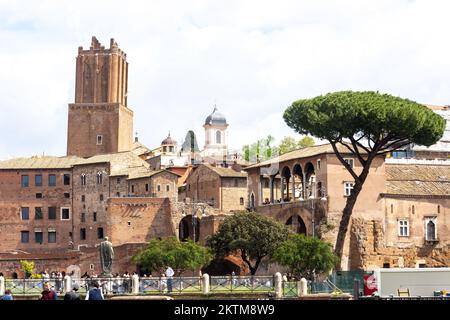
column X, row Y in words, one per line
column 251, row 58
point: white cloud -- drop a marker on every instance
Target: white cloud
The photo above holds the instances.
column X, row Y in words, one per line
column 253, row 57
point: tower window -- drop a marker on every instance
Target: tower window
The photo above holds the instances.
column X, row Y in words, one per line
column 146, row 187
column 94, row 216
column 241, row 201
column 99, row 139
column 167, row 188
column 218, row 137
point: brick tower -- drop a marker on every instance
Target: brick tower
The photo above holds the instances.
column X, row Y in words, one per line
column 99, row 120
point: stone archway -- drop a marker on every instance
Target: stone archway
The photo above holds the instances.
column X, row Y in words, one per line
column 189, row 228
column 296, row 224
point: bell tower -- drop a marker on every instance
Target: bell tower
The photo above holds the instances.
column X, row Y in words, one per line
column 100, row 121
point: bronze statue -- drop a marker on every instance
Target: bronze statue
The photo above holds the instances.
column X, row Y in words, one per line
column 106, row 257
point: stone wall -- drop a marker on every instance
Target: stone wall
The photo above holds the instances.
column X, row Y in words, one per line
column 368, row 249
column 90, row 201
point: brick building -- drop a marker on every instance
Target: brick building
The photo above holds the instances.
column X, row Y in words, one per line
column 223, row 188
column 400, row 217
column 56, row 210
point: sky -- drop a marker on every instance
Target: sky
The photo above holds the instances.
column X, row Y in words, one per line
column 250, row 58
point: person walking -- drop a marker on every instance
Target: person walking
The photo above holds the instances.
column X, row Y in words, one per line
column 73, row 295
column 169, row 275
column 95, row 293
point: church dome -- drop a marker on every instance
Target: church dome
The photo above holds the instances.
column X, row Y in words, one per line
column 216, row 118
column 168, row 141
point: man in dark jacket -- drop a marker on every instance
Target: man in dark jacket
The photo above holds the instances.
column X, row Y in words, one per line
column 73, row 295
column 95, row 293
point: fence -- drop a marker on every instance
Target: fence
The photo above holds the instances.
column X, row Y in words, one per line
column 242, row 284
column 337, row 282
column 31, row 286
column 341, row 281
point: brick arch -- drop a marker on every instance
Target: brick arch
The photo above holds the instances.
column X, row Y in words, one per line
column 284, row 214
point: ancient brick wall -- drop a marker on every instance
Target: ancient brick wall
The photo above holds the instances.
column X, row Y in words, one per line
column 13, row 197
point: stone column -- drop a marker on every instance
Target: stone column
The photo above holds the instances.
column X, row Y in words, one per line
column 67, row 283
column 135, row 284
column 302, row 287
column 278, row 285
column 271, row 183
column 282, row 188
column 293, row 187
column 2, row 285
column 205, row 283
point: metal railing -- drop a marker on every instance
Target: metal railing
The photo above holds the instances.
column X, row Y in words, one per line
column 177, row 285
column 251, row 284
column 32, row 286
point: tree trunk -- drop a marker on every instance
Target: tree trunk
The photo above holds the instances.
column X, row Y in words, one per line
column 348, row 209
column 345, row 220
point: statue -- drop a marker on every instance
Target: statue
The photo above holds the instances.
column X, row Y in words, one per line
column 106, row 257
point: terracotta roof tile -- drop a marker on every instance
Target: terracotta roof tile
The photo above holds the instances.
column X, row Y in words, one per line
column 418, row 179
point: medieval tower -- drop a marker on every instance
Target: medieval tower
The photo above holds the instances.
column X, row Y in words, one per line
column 99, row 120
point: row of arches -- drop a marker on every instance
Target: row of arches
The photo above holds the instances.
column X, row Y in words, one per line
column 189, row 227
column 290, row 184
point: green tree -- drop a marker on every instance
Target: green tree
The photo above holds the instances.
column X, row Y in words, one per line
column 306, row 141
column 28, row 269
column 287, row 144
column 252, row 236
column 367, row 125
column 306, row 256
column 181, row 256
column 260, row 150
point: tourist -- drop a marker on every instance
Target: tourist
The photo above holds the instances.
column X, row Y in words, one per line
column 7, row 295
column 58, row 281
column 126, row 282
column 163, row 282
column 169, row 274
column 48, row 293
column 95, row 293
column 73, row 295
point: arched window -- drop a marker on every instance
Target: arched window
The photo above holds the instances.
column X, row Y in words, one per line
column 431, row 230
column 83, row 179
column 99, row 178
column 218, row 137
